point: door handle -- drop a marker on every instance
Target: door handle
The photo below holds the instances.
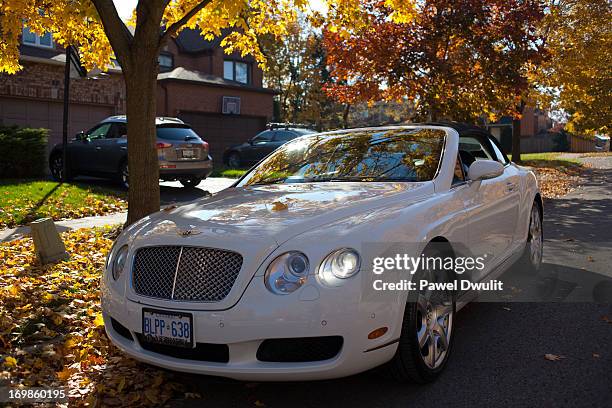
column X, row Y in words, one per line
column 98, row 148
column 510, row 186
column 123, row 148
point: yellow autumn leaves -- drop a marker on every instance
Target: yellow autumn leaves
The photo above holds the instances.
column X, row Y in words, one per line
column 52, row 331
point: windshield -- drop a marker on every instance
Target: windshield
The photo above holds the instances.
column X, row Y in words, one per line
column 360, row 155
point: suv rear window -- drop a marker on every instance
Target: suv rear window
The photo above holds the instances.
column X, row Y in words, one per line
column 176, row 133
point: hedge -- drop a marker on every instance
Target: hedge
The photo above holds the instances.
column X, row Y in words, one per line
column 22, row 152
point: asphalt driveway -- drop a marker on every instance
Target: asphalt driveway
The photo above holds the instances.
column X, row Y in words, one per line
column 499, row 347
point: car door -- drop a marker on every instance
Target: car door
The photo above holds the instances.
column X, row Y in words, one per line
column 112, row 148
column 492, row 206
column 260, row 144
column 513, row 179
column 85, row 151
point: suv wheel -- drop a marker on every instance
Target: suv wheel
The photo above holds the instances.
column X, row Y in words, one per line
column 124, row 175
column 234, row 160
column 56, row 166
column 191, row 182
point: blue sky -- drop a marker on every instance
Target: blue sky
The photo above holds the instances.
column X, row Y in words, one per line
column 125, row 7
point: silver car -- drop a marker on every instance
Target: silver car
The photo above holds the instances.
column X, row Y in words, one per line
column 102, row 152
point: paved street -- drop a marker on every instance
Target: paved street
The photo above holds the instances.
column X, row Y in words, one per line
column 499, row 347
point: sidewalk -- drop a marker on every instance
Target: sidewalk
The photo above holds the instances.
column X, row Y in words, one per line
column 169, row 196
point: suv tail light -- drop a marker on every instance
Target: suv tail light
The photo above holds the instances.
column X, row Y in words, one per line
column 204, row 146
column 162, row 145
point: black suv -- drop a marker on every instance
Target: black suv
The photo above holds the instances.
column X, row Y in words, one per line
column 102, row 152
column 251, row 152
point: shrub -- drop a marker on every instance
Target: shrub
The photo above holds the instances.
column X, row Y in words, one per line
column 22, row 152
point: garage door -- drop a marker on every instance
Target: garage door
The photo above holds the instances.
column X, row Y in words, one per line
column 223, row 131
column 44, row 114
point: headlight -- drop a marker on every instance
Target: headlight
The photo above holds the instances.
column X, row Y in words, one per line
column 340, row 264
column 118, row 261
column 287, row 273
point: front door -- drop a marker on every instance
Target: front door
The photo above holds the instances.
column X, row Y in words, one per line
column 85, row 152
column 492, row 207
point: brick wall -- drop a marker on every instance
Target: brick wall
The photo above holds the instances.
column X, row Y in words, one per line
column 202, row 98
column 46, row 82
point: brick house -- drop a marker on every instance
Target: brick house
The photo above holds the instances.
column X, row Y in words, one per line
column 220, row 95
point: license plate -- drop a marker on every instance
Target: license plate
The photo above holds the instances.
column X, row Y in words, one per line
column 170, row 328
column 188, row 154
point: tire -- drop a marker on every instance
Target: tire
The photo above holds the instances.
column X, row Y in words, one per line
column 531, row 260
column 56, row 167
column 191, row 182
column 124, row 175
column 427, row 322
column 234, row 160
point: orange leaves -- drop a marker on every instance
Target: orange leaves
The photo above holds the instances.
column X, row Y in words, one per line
column 450, row 62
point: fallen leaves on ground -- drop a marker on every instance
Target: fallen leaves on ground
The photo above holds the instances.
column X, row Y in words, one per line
column 557, row 182
column 52, row 332
column 553, row 357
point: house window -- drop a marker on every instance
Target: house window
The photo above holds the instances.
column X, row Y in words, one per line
column 31, row 38
column 166, row 62
column 236, row 71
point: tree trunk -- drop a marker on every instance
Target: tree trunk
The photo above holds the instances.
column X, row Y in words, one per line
column 141, row 90
column 516, row 140
column 516, row 135
column 345, row 115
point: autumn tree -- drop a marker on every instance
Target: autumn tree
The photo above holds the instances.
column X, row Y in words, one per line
column 95, row 28
column 457, row 60
column 297, row 69
column 577, row 79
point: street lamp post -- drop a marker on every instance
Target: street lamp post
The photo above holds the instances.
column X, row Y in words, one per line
column 66, row 109
column 72, row 61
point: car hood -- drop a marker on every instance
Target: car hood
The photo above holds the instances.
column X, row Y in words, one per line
column 281, row 211
column 256, row 220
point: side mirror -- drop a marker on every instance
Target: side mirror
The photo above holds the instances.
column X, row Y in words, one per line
column 81, row 136
column 485, row 169
column 251, row 142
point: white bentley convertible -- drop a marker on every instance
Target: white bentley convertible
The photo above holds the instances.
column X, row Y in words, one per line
column 275, row 278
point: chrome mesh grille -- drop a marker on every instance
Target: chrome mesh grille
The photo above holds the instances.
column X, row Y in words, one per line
column 185, row 273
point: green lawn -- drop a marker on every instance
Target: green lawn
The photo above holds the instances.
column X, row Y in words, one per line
column 551, row 159
column 229, row 173
column 22, row 201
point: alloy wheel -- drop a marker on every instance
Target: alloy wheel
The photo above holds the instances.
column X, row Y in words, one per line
column 57, row 167
column 535, row 237
column 125, row 176
column 234, row 160
column 434, row 322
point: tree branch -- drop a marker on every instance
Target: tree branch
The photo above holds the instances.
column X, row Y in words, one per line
column 117, row 32
column 174, row 27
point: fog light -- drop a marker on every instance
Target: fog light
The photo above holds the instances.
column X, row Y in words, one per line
column 377, row 333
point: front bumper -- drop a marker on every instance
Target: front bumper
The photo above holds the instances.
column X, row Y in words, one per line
column 311, row 311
